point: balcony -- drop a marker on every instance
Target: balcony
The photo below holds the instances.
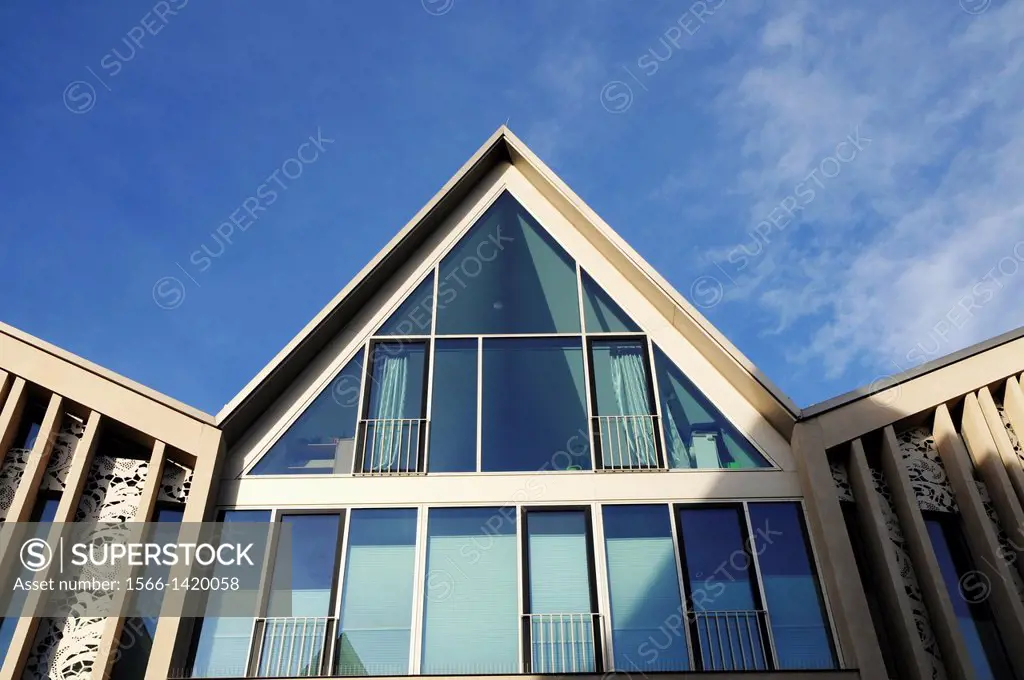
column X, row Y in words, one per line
column 733, row 640
column 394, row 446
column 561, row 643
column 627, row 443
column 292, row 647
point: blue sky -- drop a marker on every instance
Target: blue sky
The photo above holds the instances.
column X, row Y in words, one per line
column 837, row 188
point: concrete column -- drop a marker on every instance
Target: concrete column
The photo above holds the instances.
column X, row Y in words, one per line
column 173, row 633
column 10, row 415
column 106, row 656
column 990, row 446
column 933, row 588
column 912, row 659
column 25, row 632
column 1013, row 407
column 977, row 527
column 852, row 619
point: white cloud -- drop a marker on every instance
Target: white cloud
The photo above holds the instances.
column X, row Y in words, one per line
column 892, row 261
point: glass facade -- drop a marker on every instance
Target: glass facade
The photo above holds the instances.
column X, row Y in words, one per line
column 520, row 362
column 525, row 589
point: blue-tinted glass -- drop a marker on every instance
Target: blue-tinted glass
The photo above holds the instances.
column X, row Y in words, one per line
column 306, row 591
column 414, row 316
column 534, row 413
column 626, row 431
column 222, row 644
column 721, row 579
column 471, row 600
column 322, row 440
column 453, row 409
column 45, row 509
column 600, row 313
column 648, row 624
column 697, row 435
column 507, row 275
column 560, row 606
column 393, row 437
column 376, row 609
column 791, row 590
column 300, row 598
column 984, row 645
column 31, row 420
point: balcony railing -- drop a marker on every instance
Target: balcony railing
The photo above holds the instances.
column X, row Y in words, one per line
column 627, row 442
column 562, row 643
column 295, row 647
column 392, row 446
column 733, row 640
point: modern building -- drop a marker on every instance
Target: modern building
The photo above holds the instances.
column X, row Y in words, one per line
column 510, row 447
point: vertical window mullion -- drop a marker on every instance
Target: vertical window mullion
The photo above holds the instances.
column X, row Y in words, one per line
column 364, row 407
column 479, row 403
column 762, row 603
column 525, row 608
column 604, row 606
column 340, row 576
column 656, row 407
column 588, row 380
column 692, row 626
column 419, row 589
column 683, row 588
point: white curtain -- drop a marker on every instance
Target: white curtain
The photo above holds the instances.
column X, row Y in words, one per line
column 386, row 438
column 629, row 380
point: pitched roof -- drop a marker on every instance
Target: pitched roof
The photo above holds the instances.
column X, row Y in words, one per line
column 502, row 147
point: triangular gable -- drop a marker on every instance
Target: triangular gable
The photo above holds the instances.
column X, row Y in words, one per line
column 503, row 311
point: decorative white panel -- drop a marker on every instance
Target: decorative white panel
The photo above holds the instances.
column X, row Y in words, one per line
column 842, row 481
column 910, row 582
column 10, row 476
column 927, row 474
column 175, row 483
column 65, row 647
column 15, row 461
column 1014, row 439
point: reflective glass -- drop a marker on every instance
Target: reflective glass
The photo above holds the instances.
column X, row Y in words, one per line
column 792, row 593
column 980, row 635
column 376, row 608
column 414, row 315
column 322, row 440
column 625, row 404
column 453, row 408
column 648, row 625
column 600, row 313
column 471, row 600
column 697, row 435
column 534, row 413
column 507, row 275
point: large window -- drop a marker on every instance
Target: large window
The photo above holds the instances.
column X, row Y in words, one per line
column 625, row 425
column 322, row 440
column 984, row 645
column 791, row 589
column 453, row 421
column 534, row 405
column 376, row 608
column 393, row 433
column 728, row 618
column 560, row 598
column 648, row 622
column 506, row 276
column 697, row 435
column 471, row 603
column 221, row 648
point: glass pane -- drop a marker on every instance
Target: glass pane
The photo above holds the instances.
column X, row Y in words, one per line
column 696, row 433
column 307, row 589
column 721, row 584
column 794, row 601
column 376, row 609
column 453, row 409
column 322, row 440
column 534, row 413
column 507, row 275
column 415, row 315
column 471, row 605
column 648, row 625
column 392, row 440
column 600, row 312
column 222, row 644
column 561, row 625
column 625, row 426
column 31, row 420
column 985, row 647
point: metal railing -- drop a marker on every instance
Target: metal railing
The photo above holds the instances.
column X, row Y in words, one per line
column 562, row 643
column 627, row 442
column 292, row 646
column 733, row 640
column 391, row 446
